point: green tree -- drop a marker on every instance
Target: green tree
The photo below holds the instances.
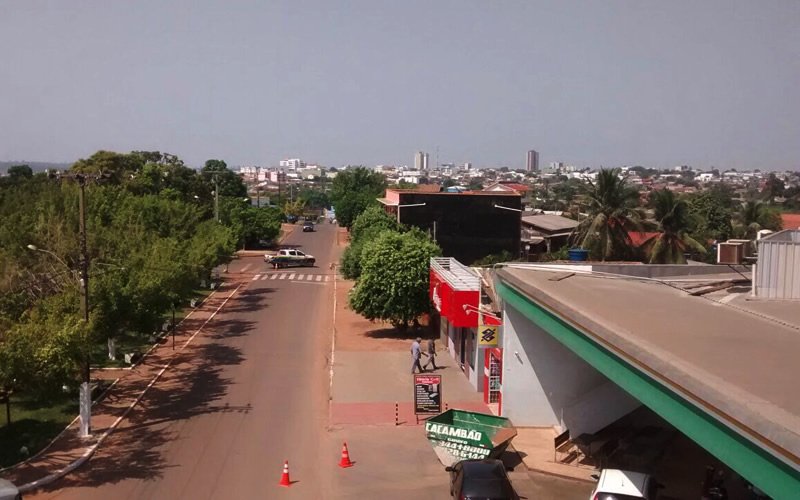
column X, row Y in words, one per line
column 20, row 171
column 230, row 184
column 612, row 209
column 394, row 278
column 353, row 190
column 366, row 227
column 754, row 216
column 374, row 217
column 117, row 167
column 314, row 199
column 673, row 242
column 710, row 214
column 475, row 184
column 773, row 187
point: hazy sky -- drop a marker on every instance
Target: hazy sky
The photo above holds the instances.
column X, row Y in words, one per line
column 367, row 82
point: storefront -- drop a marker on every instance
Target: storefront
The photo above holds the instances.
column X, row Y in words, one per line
column 464, row 329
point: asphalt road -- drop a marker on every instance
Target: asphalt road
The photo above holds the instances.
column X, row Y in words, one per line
column 249, row 392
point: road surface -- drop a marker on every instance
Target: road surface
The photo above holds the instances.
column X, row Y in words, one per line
column 249, row 392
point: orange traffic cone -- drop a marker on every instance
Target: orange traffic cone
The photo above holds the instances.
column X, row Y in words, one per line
column 285, row 476
column 345, row 461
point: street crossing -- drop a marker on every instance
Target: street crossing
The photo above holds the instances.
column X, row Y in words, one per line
column 316, row 278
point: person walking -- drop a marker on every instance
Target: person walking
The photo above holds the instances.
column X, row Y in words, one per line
column 416, row 352
column 431, row 351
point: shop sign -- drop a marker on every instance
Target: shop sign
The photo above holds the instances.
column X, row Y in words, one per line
column 488, row 335
column 427, row 394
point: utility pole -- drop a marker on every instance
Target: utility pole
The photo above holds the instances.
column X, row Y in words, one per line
column 85, row 398
column 85, row 390
column 216, row 198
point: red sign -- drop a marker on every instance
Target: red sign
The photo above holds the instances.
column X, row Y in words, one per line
column 450, row 303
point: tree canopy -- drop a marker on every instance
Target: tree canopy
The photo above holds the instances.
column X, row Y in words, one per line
column 150, row 243
column 673, row 242
column 353, row 190
column 366, row 227
column 612, row 207
column 394, row 277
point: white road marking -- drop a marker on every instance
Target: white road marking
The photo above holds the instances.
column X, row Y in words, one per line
column 302, row 276
column 273, row 276
column 319, row 277
column 307, row 282
column 266, row 276
column 283, row 276
column 327, row 278
column 256, row 277
column 245, row 268
column 291, row 276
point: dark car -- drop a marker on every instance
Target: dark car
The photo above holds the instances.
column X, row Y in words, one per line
column 480, row 480
column 308, row 227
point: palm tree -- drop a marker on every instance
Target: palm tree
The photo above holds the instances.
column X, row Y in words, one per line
column 754, row 216
column 612, row 208
column 672, row 216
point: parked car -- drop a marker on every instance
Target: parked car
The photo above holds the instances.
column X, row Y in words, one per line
column 308, row 227
column 615, row 484
column 480, row 479
column 8, row 491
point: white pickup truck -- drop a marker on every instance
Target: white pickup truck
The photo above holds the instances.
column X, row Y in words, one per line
column 289, row 257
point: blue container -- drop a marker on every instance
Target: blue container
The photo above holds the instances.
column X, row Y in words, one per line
column 578, row 254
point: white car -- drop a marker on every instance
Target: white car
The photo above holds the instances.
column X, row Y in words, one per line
column 615, row 484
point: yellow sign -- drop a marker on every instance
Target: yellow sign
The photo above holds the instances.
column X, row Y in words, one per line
column 487, row 335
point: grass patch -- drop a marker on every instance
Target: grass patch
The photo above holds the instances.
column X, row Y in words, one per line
column 33, row 425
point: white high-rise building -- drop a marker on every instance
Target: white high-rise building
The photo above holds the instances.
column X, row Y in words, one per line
column 420, row 161
column 292, row 164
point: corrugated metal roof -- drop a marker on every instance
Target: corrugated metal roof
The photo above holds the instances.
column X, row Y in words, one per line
column 456, row 274
column 550, row 222
column 778, row 268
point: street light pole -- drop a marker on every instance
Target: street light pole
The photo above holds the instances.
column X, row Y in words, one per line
column 216, row 198
column 85, row 393
column 85, row 389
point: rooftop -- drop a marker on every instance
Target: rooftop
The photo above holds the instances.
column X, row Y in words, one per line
column 729, row 353
column 550, row 223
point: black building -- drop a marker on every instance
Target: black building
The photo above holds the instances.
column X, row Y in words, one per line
column 468, row 226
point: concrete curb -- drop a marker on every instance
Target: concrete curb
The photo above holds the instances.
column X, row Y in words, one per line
column 88, row 452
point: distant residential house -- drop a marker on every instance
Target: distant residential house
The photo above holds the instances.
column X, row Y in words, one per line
column 523, row 190
column 705, row 177
column 545, row 233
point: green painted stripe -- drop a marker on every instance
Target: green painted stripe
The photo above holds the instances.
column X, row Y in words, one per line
column 767, row 472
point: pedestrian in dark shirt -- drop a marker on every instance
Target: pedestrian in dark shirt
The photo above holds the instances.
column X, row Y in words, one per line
column 431, row 351
column 416, row 352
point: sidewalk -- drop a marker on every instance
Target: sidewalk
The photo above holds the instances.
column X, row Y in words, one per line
column 68, row 451
column 372, row 374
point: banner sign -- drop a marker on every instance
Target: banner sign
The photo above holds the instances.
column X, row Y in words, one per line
column 487, row 335
column 427, row 394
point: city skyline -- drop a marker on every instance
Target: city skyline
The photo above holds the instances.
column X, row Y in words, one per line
column 710, row 85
